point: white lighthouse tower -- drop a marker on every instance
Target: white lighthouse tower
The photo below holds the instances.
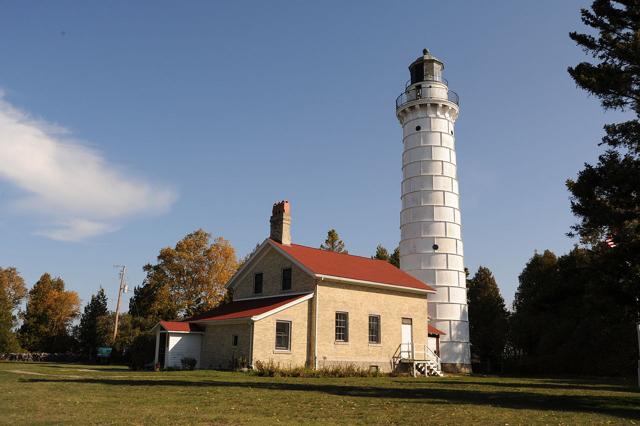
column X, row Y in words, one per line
column 431, row 242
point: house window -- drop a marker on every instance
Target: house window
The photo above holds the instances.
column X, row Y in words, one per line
column 342, row 327
column 374, row 328
column 283, row 335
column 235, row 340
column 286, row 279
column 257, row 283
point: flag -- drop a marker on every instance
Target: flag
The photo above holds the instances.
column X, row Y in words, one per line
column 609, row 241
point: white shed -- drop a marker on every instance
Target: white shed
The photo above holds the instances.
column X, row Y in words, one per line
column 176, row 340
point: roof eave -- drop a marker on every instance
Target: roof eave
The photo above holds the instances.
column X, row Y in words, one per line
column 395, row 287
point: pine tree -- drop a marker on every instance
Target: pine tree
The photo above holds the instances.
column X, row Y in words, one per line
column 92, row 333
column 394, row 259
column 488, row 319
column 383, row 254
column 333, row 243
column 606, row 197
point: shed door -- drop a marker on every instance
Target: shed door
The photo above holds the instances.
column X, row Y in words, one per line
column 407, row 337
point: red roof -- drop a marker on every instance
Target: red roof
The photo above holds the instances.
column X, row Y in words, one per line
column 246, row 308
column 433, row 330
column 324, row 262
column 181, row 326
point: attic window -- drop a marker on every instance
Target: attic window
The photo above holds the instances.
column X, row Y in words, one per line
column 418, row 128
column 257, row 283
column 286, row 279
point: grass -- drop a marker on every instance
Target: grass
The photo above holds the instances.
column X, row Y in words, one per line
column 41, row 393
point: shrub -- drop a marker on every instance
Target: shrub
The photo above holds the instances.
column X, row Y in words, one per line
column 142, row 351
column 188, row 363
column 272, row 369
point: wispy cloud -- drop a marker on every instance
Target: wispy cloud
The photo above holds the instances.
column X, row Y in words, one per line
column 66, row 183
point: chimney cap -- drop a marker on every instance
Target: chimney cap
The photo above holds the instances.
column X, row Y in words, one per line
column 281, row 207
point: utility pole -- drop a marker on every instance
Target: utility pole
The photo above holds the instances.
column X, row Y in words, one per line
column 121, row 289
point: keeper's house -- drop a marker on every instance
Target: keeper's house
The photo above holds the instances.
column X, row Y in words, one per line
column 302, row 306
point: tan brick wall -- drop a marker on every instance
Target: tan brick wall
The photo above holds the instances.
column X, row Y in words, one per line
column 360, row 302
column 265, row 337
column 218, row 351
column 271, row 266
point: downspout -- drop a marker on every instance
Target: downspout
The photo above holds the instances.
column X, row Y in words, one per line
column 251, row 345
column 315, row 325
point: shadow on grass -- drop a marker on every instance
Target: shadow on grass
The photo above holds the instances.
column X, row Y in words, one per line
column 618, row 406
column 543, row 384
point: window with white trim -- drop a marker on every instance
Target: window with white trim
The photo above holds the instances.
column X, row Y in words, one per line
column 342, row 326
column 283, row 335
column 374, row 328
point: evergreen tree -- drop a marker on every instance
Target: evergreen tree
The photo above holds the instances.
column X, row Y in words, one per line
column 566, row 306
column 606, row 197
column 394, row 259
column 488, row 320
column 333, row 243
column 92, row 333
column 383, row 254
column 48, row 316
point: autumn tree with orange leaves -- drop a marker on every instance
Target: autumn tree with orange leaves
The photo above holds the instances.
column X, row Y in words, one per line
column 188, row 279
column 48, row 316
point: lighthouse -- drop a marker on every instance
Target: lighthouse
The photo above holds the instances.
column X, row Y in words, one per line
column 431, row 240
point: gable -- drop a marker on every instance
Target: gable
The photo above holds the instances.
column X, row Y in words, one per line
column 270, row 263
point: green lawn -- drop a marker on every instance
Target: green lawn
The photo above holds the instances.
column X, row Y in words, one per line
column 84, row 394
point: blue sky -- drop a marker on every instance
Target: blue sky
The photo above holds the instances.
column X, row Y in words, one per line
column 164, row 117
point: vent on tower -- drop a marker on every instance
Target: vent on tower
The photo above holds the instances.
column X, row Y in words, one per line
column 281, row 223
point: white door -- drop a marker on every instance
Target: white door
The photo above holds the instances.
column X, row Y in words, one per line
column 407, row 338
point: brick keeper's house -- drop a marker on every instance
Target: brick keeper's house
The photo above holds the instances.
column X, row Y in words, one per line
column 301, row 306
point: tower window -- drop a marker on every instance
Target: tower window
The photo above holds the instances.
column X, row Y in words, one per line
column 418, row 128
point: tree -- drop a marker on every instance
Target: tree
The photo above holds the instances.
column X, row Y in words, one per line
column 12, row 291
column 187, row 280
column 488, row 319
column 606, row 197
column 394, row 259
column 333, row 243
column 383, row 254
column 48, row 316
column 569, row 305
column 92, row 332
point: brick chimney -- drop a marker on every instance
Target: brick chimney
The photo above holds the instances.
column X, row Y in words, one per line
column 281, row 223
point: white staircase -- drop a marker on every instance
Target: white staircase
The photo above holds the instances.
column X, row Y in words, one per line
column 419, row 359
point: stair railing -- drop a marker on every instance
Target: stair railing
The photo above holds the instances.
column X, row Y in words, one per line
column 434, row 357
